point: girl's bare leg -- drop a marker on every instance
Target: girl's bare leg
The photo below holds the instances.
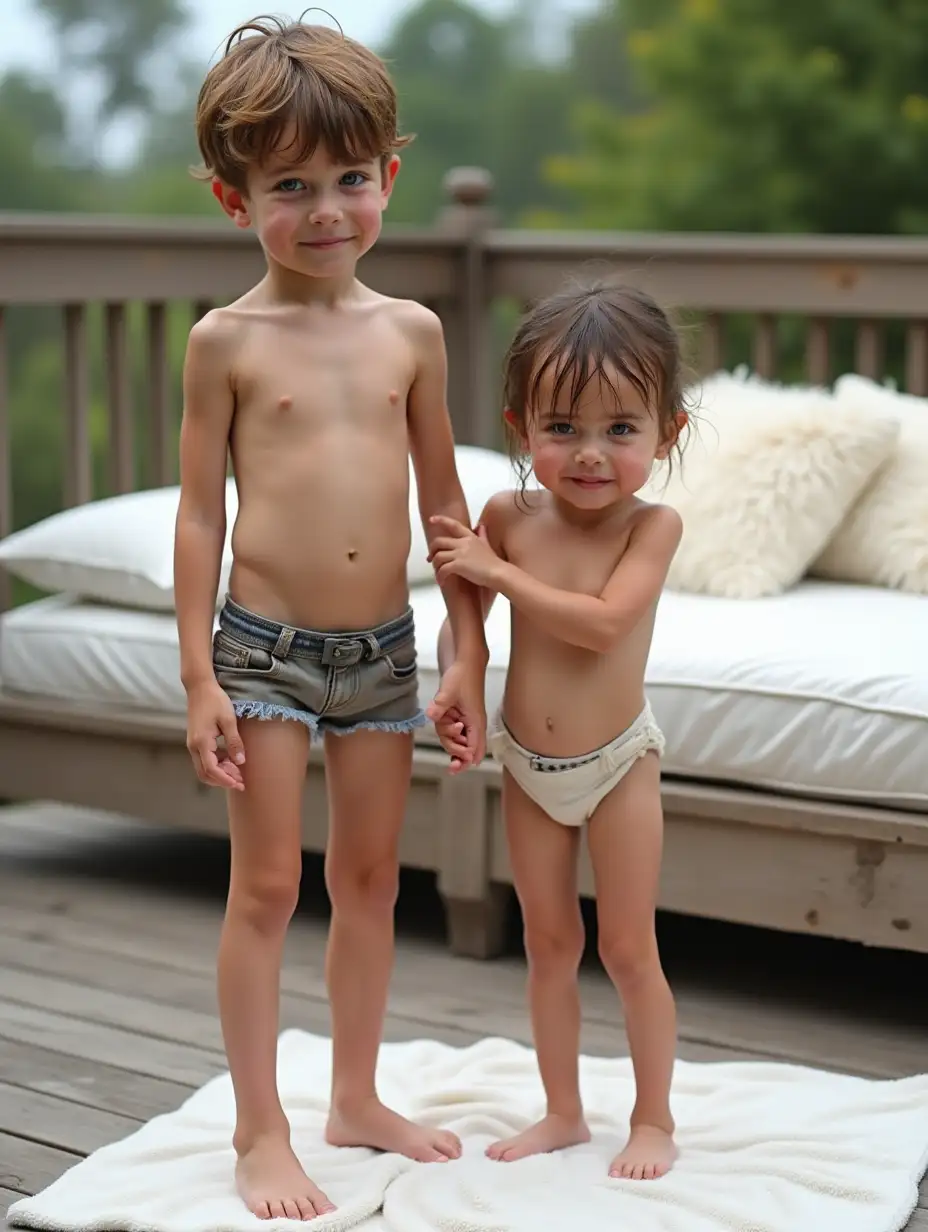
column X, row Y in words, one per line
column 264, row 823
column 368, row 776
column 626, row 841
column 543, row 854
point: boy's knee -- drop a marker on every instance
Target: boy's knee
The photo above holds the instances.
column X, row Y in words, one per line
column 553, row 950
column 266, row 901
column 369, row 889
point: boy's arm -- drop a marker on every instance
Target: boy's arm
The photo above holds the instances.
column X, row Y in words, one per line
column 590, row 621
column 199, row 538
column 440, row 494
column 491, row 519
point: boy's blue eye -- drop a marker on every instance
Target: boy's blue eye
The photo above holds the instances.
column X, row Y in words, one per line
column 356, row 176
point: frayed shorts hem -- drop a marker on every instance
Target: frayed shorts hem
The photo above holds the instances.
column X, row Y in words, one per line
column 320, row 726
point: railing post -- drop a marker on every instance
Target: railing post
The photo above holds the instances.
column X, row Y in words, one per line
column 471, row 398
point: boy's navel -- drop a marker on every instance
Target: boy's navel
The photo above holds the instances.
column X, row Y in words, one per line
column 549, row 723
column 352, row 553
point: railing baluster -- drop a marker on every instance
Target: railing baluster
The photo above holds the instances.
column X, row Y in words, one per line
column 78, row 478
column 6, row 460
column 818, row 351
column 119, row 401
column 161, row 455
column 765, row 345
column 713, row 343
column 868, row 349
column 916, row 358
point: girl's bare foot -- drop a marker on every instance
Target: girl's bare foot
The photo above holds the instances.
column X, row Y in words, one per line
column 272, row 1184
column 649, row 1153
column 374, row 1125
column 551, row 1133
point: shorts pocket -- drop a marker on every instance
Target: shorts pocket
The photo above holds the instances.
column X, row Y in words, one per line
column 231, row 655
column 401, row 661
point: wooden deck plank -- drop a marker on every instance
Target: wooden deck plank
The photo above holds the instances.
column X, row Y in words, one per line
column 90, row 1083
column 26, row 1166
column 428, row 983
column 58, row 1122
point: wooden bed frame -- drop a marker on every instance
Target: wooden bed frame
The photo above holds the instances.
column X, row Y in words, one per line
column 835, row 870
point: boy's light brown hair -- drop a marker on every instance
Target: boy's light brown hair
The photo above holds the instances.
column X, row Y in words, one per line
column 306, row 86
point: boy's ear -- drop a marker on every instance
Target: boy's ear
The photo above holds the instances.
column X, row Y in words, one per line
column 390, row 172
column 232, row 201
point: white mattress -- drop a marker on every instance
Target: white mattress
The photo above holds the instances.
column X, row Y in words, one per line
column 822, row 691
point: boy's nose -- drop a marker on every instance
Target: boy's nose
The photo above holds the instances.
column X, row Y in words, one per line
column 325, row 212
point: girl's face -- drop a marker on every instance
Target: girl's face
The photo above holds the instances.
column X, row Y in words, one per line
column 601, row 450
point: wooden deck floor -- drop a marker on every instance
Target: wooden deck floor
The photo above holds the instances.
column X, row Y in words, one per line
column 107, row 1014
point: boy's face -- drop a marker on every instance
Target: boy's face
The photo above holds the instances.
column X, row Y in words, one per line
column 315, row 217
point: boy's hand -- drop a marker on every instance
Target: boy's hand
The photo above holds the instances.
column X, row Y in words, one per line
column 458, row 552
column 459, row 714
column 209, row 716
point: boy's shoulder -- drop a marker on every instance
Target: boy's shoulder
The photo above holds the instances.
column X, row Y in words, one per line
column 418, row 321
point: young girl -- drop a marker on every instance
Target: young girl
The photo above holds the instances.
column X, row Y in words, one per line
column 593, row 399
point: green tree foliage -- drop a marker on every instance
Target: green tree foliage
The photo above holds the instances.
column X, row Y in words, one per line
column 760, row 115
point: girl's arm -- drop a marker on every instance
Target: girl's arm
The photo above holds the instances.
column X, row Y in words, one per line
column 594, row 622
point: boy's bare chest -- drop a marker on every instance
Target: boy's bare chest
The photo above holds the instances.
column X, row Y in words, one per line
column 320, row 382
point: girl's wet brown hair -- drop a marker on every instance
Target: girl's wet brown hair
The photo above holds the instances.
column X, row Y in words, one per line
column 307, row 84
column 589, row 331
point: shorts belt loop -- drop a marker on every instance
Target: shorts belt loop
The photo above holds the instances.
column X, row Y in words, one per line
column 373, row 645
column 284, row 642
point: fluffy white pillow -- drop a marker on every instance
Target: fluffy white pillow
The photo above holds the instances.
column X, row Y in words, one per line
column 121, row 550
column 883, row 540
column 768, row 475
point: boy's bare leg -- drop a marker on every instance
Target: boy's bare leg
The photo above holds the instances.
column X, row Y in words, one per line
column 544, row 862
column 263, row 889
column 368, row 776
column 626, row 840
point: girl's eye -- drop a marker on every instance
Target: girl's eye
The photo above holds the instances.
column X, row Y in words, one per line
column 621, row 429
column 291, row 185
column 560, row 429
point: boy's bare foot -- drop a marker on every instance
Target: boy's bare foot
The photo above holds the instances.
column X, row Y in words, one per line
column 649, row 1153
column 551, row 1133
column 374, row 1125
column 273, row 1185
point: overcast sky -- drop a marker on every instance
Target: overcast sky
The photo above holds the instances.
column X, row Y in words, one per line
column 367, row 20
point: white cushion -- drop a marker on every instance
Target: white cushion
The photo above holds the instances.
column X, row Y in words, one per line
column 883, row 540
column 767, row 476
column 798, row 692
column 121, row 550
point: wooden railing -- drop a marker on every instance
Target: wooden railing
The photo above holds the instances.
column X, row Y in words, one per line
column 862, row 300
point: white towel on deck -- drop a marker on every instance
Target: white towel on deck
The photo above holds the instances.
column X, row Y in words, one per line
column 764, row 1148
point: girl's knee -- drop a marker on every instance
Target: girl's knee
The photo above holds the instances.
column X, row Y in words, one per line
column 554, row 948
column 629, row 959
column 265, row 900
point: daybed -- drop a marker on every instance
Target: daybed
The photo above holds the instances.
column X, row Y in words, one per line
column 795, row 781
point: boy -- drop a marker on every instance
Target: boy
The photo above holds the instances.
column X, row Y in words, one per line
column 320, row 389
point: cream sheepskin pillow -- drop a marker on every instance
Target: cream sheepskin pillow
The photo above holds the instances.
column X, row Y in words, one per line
column 883, row 541
column 767, row 476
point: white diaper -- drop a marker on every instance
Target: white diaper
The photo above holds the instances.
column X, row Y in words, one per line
column 570, row 788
